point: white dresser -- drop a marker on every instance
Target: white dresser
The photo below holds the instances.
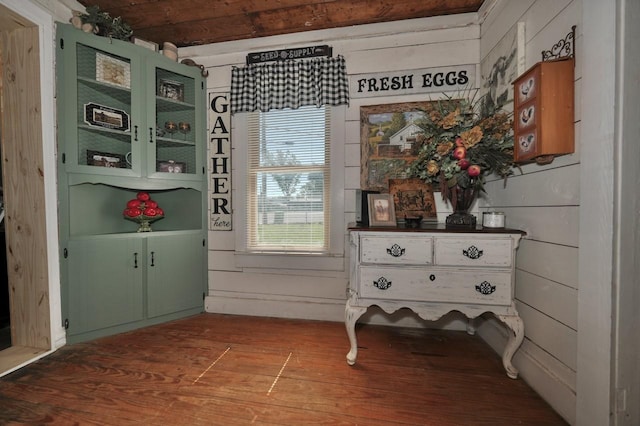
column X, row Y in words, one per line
column 433, row 271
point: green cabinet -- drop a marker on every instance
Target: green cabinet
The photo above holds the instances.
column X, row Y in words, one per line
column 128, row 111
column 105, row 283
column 174, row 274
column 129, row 120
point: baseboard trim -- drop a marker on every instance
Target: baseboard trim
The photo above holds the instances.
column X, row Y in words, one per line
column 551, row 382
column 321, row 310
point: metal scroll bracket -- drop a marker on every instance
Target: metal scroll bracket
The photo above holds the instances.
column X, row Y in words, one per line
column 563, row 49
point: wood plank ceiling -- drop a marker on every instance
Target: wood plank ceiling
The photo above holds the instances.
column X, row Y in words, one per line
column 197, row 22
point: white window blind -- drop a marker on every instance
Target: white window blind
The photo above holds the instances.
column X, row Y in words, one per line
column 288, row 183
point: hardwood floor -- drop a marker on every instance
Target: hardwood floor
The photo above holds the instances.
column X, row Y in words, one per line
column 233, row 370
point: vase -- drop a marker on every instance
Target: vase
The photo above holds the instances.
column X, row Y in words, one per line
column 461, row 199
column 144, row 222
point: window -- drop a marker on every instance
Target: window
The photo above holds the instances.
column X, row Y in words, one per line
column 288, row 191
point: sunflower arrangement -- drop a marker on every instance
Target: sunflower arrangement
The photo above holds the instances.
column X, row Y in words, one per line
column 459, row 147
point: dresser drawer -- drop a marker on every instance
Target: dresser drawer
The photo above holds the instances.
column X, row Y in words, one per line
column 424, row 285
column 458, row 252
column 396, row 248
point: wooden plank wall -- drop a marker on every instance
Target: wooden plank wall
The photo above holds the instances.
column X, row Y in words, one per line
column 545, row 202
column 318, row 293
column 24, row 189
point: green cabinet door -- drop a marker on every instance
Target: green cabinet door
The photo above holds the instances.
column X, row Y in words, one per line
column 175, row 273
column 105, row 282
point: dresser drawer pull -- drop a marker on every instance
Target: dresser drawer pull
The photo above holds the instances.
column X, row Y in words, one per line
column 432, row 277
column 382, row 283
column 473, row 252
column 485, row 288
column 395, row 250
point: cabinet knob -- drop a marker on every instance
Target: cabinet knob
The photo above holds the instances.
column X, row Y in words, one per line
column 135, row 133
column 473, row 252
column 153, row 258
column 135, row 259
column 485, row 287
column 382, row 283
column 150, row 134
column 432, row 277
column 395, row 250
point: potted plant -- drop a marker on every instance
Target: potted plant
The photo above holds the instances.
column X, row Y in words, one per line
column 458, row 149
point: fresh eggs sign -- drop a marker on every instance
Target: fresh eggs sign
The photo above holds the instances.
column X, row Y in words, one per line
column 220, row 162
column 440, row 79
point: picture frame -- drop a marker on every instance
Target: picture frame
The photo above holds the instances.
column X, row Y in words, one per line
column 500, row 68
column 113, row 71
column 381, row 210
column 386, row 151
column 171, row 166
column 145, row 43
column 106, row 159
column 170, row 89
column 413, row 198
column 97, row 115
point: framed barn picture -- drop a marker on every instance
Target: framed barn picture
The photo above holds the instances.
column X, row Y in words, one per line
column 387, row 142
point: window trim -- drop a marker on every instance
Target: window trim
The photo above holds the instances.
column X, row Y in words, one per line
column 246, row 258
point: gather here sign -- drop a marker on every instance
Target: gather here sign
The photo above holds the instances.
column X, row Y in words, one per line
column 220, row 162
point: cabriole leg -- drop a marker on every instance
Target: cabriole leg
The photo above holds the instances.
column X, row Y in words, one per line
column 515, row 340
column 351, row 315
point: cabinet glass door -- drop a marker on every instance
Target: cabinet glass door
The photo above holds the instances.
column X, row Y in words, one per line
column 107, row 128
column 178, row 125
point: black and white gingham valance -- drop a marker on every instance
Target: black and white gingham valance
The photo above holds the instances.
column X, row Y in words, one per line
column 289, row 84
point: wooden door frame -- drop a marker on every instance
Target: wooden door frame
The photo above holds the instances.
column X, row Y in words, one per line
column 28, row 139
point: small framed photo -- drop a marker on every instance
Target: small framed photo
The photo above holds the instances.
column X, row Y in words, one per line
column 103, row 116
column 381, row 210
column 173, row 90
column 171, row 167
column 413, row 198
column 106, row 159
column 145, row 43
column 113, row 71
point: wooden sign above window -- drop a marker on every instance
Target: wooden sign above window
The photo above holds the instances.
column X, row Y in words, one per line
column 439, row 79
column 287, row 54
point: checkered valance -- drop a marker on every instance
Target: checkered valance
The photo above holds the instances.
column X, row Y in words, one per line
column 289, row 84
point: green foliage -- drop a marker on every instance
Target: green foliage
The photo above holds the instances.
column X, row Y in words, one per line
column 485, row 145
column 397, row 122
column 106, row 25
column 314, row 186
column 287, row 182
column 299, row 234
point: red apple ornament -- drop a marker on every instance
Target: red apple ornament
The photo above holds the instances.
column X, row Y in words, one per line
column 474, row 170
column 459, row 153
column 143, row 210
column 132, row 204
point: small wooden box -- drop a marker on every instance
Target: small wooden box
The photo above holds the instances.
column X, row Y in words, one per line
column 544, row 111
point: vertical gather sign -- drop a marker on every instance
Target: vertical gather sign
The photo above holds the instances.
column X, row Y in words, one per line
column 220, row 162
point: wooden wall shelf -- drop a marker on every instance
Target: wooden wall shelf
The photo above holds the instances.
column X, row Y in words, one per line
column 544, row 112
